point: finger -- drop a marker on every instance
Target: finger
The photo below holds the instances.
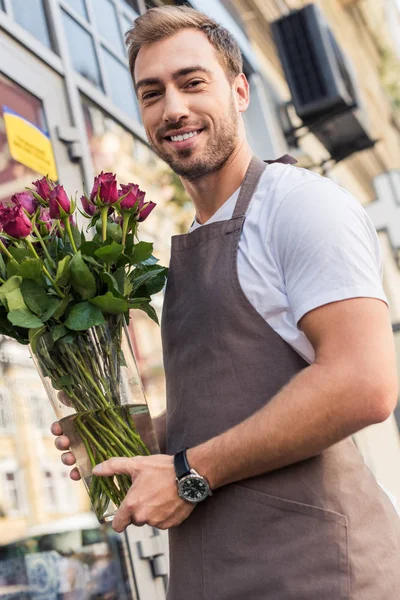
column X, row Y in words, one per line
column 114, row 466
column 62, row 442
column 68, row 459
column 56, row 428
column 75, row 475
column 124, row 517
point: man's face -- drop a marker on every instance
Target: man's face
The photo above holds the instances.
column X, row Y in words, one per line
column 183, row 90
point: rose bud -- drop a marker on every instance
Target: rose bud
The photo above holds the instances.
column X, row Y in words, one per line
column 16, row 223
column 133, row 195
column 104, row 189
column 44, row 218
column 89, row 208
column 59, row 200
column 25, row 200
column 145, row 211
column 43, row 188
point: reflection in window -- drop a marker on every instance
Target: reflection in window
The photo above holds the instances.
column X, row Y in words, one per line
column 82, row 51
column 31, row 16
column 107, row 24
column 120, row 84
column 78, row 6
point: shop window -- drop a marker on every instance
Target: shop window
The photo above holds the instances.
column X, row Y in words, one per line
column 107, row 24
column 79, row 7
column 82, row 51
column 32, row 17
column 120, row 84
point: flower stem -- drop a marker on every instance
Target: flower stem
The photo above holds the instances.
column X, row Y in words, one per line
column 40, row 240
column 67, row 226
column 53, row 283
column 7, row 253
column 103, row 213
column 125, row 226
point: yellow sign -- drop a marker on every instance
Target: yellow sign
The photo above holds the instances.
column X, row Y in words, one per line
column 29, row 145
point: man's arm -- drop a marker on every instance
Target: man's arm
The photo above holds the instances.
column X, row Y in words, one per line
column 351, row 384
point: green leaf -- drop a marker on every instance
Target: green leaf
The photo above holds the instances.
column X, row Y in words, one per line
column 147, row 308
column 62, row 274
column 84, row 315
column 12, row 269
column 34, row 335
column 35, row 297
column 6, row 328
column 2, row 267
column 152, row 260
column 15, row 300
column 31, row 268
column 82, row 279
column 62, row 382
column 63, row 306
column 58, row 332
column 9, row 286
column 146, row 278
column 109, row 253
column 20, row 253
column 141, row 251
column 109, row 304
column 119, row 277
column 24, row 318
column 76, row 234
column 53, row 305
column 89, row 248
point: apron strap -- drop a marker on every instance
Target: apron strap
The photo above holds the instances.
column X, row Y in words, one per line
column 251, row 179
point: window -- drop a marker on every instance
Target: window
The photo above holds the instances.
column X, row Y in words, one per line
column 12, row 492
column 12, row 497
column 107, row 24
column 42, row 415
column 120, row 84
column 31, row 16
column 79, row 7
column 81, row 48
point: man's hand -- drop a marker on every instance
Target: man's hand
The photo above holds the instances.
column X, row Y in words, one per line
column 62, row 443
column 153, row 497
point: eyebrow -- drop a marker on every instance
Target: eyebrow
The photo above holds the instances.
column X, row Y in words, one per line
column 175, row 75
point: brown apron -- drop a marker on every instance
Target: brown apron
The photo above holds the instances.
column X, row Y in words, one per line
column 321, row 529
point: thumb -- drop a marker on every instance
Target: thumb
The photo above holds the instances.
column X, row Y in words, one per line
column 114, row 466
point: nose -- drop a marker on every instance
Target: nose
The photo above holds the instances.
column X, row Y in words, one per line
column 175, row 107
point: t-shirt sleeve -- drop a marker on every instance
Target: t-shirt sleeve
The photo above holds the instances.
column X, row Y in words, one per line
column 325, row 247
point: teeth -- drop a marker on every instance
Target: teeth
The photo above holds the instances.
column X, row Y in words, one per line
column 185, row 136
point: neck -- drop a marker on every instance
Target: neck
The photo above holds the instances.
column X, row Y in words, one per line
column 222, row 184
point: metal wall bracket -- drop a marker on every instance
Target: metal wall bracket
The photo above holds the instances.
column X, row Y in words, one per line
column 152, row 549
column 70, row 137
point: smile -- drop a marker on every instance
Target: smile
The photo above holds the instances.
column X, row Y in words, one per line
column 183, row 136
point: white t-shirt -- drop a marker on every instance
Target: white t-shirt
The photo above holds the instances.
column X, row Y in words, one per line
column 305, row 242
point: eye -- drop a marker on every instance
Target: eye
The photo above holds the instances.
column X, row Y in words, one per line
column 149, row 95
column 194, row 83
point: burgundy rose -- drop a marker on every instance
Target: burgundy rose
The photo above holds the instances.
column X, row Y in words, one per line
column 89, row 208
column 104, row 189
column 145, row 211
column 43, row 188
column 15, row 222
column 59, row 200
column 25, row 200
column 132, row 194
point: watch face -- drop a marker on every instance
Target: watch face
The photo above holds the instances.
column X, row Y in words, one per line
column 194, row 489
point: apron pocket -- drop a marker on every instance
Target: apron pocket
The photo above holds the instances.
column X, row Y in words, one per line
column 267, row 548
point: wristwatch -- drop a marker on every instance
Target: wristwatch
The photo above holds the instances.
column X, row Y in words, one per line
column 192, row 487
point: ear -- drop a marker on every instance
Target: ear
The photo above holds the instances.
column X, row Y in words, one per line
column 241, row 92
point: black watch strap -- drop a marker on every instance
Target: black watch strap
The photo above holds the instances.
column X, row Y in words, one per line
column 181, row 464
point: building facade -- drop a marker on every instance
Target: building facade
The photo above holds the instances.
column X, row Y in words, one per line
column 63, row 68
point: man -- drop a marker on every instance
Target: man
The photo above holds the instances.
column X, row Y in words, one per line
column 277, row 348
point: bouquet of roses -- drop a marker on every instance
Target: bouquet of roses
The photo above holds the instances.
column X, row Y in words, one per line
column 68, row 293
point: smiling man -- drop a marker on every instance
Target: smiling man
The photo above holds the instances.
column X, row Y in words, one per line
column 277, row 348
